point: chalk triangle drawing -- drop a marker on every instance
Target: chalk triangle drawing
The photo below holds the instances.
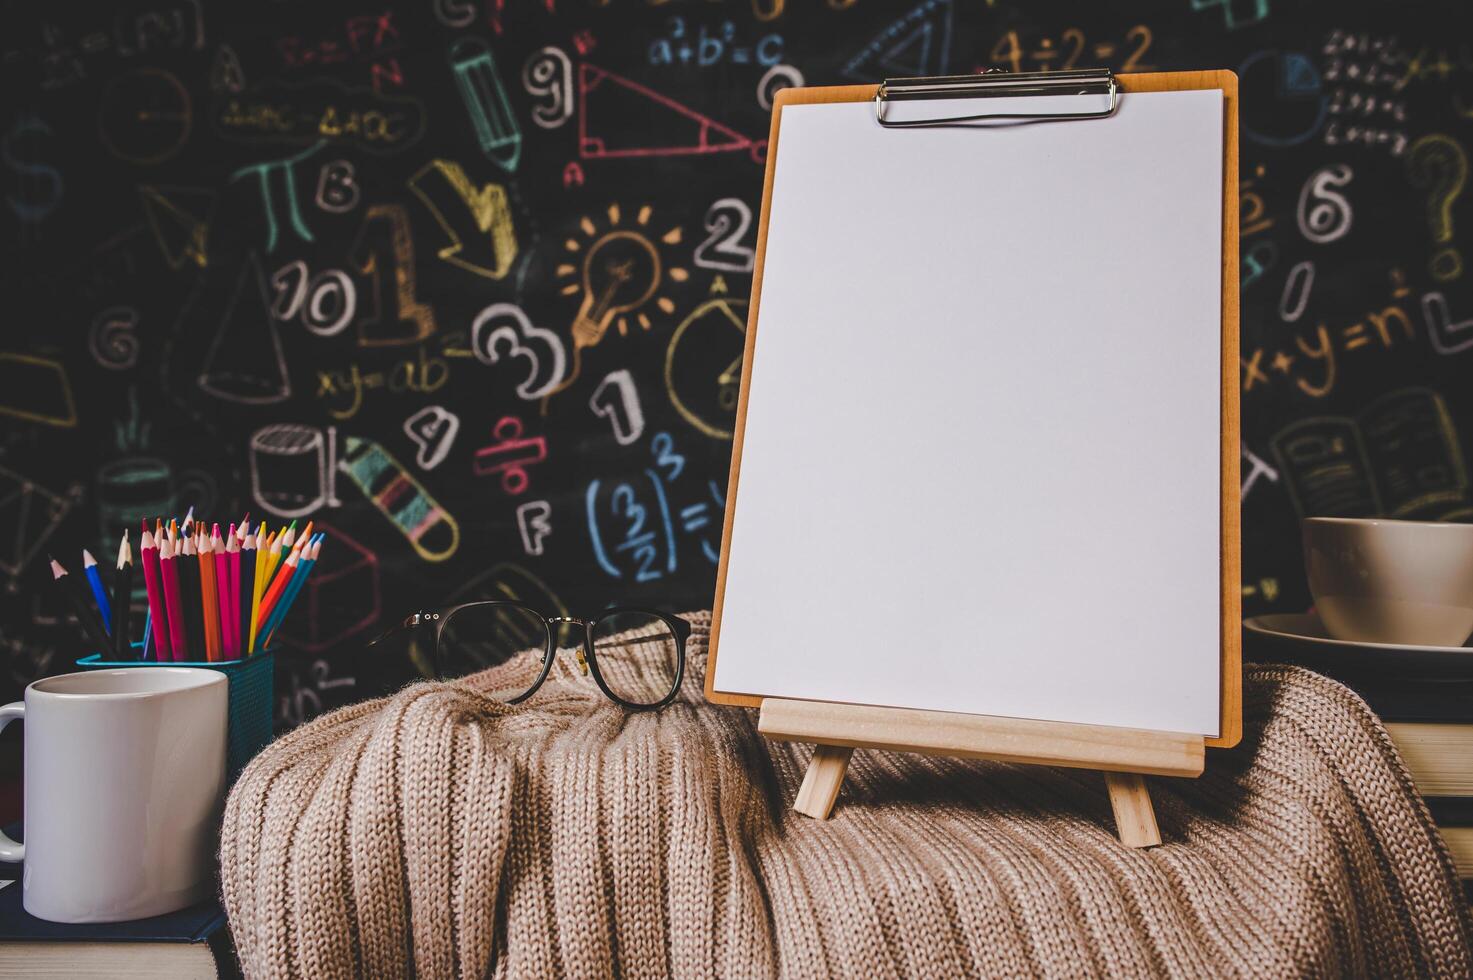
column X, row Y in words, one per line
column 917, row 44
column 180, row 219
column 1299, row 76
column 245, row 363
column 618, row 117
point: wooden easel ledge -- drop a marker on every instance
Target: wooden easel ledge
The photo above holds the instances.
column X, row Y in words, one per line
column 1123, row 754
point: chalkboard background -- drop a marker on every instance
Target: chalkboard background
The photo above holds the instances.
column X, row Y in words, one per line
column 256, row 252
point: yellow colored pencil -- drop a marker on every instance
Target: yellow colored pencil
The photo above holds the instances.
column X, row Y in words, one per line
column 263, row 567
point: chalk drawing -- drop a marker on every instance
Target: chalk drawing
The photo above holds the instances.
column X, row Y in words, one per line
column 29, row 514
column 917, row 44
column 534, row 521
column 324, row 304
column 1257, row 468
column 287, row 169
column 1256, row 11
column 144, row 116
column 341, row 599
column 113, row 339
column 485, row 100
column 454, row 13
column 1293, row 98
column 33, row 204
column 1438, row 164
column 1297, row 288
column 245, row 363
column 774, row 80
column 727, row 220
column 293, row 468
column 179, row 218
column 36, row 389
column 547, row 75
column 1328, row 218
column 606, row 100
column 477, row 220
column 385, row 253
column 502, row 329
column 1446, row 336
column 510, row 455
column 337, row 187
column 226, row 74
column 1399, row 458
column 617, row 400
column 433, row 430
column 430, row 529
column 703, row 365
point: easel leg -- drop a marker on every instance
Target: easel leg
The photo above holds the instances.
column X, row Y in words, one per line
column 822, row 780
column 1135, row 818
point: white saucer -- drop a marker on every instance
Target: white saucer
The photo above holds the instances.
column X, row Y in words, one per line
column 1302, row 637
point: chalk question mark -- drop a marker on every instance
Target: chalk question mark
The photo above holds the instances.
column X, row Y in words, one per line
column 1437, row 163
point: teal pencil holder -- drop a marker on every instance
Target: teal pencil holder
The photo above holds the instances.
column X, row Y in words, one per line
column 251, row 683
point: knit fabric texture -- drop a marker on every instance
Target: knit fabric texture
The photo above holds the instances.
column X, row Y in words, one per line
column 439, row 833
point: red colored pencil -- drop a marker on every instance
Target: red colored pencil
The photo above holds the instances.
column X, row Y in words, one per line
column 282, row 580
column 169, row 576
column 149, row 554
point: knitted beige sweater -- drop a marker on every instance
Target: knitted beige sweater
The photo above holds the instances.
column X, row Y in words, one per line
column 440, row 834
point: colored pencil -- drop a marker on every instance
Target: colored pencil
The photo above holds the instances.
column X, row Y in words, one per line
column 222, row 589
column 154, row 587
column 209, row 602
column 245, row 594
column 173, row 605
column 281, row 550
column 232, row 594
column 189, row 586
column 148, row 651
column 310, row 553
column 94, row 580
column 73, row 595
column 264, row 563
column 187, row 524
column 279, row 583
column 122, row 604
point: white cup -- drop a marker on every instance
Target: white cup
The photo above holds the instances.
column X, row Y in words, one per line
column 124, row 781
column 1382, row 581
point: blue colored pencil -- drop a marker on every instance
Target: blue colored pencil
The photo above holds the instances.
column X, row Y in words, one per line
column 94, row 579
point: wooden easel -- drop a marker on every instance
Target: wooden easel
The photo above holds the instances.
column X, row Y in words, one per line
column 1124, row 756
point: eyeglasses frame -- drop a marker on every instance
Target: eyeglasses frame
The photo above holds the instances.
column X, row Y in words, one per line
column 679, row 628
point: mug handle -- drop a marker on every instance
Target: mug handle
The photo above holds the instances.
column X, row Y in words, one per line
column 11, row 850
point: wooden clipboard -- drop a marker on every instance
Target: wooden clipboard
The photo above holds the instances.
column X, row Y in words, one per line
column 838, row 728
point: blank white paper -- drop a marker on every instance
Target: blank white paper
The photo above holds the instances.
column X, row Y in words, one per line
column 982, row 447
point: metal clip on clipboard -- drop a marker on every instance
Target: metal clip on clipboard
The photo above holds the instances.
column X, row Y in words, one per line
column 998, row 83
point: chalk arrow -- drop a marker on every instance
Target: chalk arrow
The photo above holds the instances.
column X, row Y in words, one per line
column 476, row 220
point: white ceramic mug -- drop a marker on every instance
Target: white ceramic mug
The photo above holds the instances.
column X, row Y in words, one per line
column 124, row 781
column 1384, row 581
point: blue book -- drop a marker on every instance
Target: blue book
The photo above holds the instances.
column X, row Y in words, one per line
column 192, row 942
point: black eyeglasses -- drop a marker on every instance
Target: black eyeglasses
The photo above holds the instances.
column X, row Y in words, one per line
column 636, row 656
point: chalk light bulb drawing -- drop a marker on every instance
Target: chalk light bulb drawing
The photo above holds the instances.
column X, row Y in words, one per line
column 618, row 271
